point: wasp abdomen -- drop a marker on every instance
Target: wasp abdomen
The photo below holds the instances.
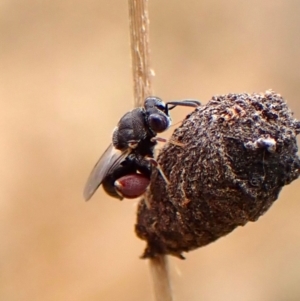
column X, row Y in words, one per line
column 132, row 186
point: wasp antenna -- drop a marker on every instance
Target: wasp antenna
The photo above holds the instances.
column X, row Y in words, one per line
column 185, row 103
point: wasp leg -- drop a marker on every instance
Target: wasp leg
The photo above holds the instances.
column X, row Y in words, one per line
column 155, row 163
column 177, row 143
column 158, row 139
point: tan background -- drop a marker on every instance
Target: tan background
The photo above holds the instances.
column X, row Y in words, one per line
column 65, row 80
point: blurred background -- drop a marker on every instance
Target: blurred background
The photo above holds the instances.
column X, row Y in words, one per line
column 65, row 80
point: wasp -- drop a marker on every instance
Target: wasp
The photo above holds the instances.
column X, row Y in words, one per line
column 125, row 167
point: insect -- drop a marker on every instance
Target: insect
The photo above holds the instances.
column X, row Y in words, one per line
column 125, row 167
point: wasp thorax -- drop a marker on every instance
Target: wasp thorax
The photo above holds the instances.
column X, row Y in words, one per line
column 232, row 159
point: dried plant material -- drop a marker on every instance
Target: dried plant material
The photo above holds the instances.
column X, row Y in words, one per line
column 159, row 268
column 142, row 74
column 239, row 151
column 140, row 50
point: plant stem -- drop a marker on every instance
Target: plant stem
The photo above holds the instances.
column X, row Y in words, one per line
column 160, row 277
column 140, row 50
column 142, row 73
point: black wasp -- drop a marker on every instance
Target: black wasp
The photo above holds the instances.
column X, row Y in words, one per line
column 124, row 169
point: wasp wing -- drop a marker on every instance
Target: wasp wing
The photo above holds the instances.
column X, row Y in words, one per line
column 107, row 162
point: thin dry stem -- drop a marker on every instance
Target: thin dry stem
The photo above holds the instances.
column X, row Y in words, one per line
column 161, row 280
column 142, row 73
column 140, row 50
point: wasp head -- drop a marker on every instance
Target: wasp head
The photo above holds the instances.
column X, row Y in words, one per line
column 157, row 114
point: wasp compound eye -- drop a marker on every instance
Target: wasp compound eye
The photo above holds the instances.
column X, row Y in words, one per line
column 158, row 122
column 239, row 151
